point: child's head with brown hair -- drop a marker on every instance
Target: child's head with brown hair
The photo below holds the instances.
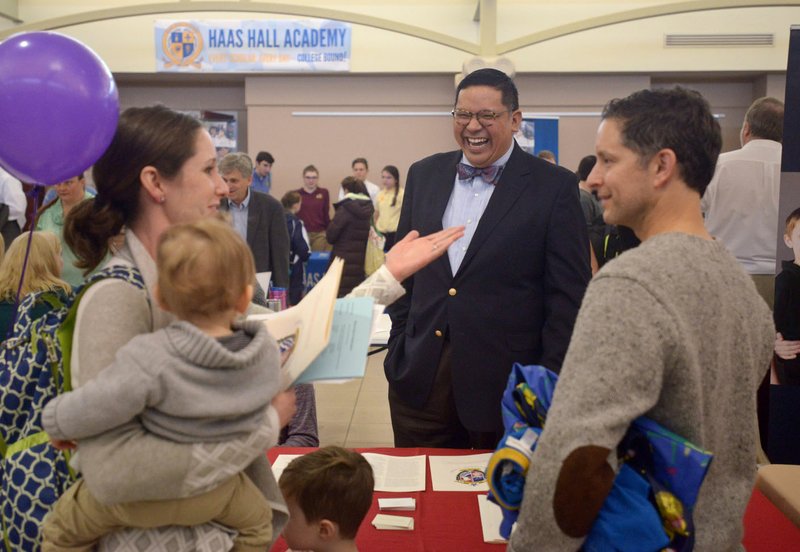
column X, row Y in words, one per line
column 328, row 493
column 352, row 185
column 791, row 221
column 204, row 269
column 43, row 269
column 791, row 236
column 291, row 201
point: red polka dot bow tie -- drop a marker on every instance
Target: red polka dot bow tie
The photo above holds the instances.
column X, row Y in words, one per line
column 489, row 174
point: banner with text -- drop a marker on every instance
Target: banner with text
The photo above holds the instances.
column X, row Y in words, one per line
column 252, row 45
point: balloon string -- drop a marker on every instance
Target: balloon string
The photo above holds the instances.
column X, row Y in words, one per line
column 34, row 192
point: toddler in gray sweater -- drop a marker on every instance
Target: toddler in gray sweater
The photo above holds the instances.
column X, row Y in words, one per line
column 207, row 377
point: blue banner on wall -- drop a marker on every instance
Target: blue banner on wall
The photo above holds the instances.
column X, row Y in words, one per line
column 252, row 45
column 535, row 135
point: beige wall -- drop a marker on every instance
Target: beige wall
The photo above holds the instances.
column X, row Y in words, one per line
column 267, row 107
column 331, row 143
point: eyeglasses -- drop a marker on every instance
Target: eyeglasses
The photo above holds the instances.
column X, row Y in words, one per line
column 485, row 118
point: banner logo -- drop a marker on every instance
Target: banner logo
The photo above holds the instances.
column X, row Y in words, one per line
column 182, row 43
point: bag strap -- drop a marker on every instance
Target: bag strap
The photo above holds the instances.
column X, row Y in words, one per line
column 372, row 224
column 66, row 331
column 53, row 298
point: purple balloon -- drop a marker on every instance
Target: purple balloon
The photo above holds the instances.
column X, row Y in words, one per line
column 58, row 107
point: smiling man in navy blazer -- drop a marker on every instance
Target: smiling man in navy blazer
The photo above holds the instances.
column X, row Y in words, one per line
column 508, row 291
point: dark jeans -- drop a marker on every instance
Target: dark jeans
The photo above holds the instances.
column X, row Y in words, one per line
column 437, row 424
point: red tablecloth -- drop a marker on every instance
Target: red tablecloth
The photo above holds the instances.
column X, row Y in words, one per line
column 449, row 521
column 443, row 521
column 766, row 529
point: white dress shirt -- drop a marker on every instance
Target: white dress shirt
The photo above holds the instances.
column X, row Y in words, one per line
column 11, row 194
column 466, row 206
column 741, row 204
column 239, row 215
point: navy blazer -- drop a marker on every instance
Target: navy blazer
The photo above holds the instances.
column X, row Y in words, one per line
column 514, row 298
column 267, row 236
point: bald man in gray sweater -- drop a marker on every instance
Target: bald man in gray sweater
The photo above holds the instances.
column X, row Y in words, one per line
column 673, row 330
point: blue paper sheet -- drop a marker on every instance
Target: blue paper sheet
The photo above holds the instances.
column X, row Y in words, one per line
column 345, row 357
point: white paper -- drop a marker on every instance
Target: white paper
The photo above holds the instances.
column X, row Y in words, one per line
column 491, row 517
column 397, row 474
column 460, row 473
column 394, row 523
column 281, row 462
column 303, row 331
column 263, row 279
column 381, row 327
column 406, row 504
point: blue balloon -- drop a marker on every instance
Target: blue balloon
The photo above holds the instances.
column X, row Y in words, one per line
column 58, row 107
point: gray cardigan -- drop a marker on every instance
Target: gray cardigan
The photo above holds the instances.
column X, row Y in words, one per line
column 676, row 331
column 186, row 386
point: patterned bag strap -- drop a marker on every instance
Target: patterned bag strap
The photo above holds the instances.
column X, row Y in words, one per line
column 23, row 322
column 66, row 331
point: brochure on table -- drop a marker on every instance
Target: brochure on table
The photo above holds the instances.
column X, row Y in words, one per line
column 393, row 474
column 459, row 473
column 281, row 462
column 407, row 473
column 491, row 518
column 397, row 474
column 386, row 522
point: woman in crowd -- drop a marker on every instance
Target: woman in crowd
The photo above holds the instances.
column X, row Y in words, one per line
column 390, row 200
column 70, row 193
column 159, row 170
column 349, row 230
column 42, row 273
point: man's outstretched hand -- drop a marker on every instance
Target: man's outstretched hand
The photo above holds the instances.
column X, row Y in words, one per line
column 414, row 252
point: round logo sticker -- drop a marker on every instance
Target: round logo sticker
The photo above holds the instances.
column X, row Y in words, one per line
column 182, row 43
column 471, row 476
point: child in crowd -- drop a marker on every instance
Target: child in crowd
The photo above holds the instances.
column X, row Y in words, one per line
column 41, row 273
column 328, row 493
column 787, row 301
column 207, row 377
column 389, row 203
column 299, row 248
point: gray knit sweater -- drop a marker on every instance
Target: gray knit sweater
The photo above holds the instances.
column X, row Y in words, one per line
column 676, row 331
column 185, row 385
column 117, row 464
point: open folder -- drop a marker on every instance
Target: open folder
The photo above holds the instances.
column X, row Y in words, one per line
column 322, row 338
